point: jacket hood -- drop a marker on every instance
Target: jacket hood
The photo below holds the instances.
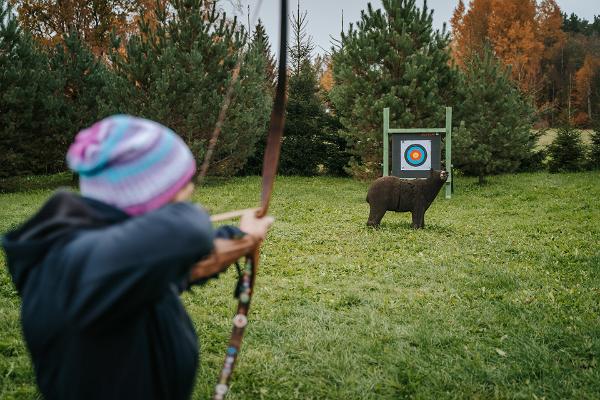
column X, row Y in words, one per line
column 63, row 214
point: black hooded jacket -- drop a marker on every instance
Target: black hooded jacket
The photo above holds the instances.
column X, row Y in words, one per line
column 100, row 291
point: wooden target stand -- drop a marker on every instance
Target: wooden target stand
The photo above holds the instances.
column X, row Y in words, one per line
column 417, row 150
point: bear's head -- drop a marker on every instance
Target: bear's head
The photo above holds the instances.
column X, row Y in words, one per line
column 443, row 175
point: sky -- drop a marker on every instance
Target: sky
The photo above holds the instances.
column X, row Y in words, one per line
column 324, row 17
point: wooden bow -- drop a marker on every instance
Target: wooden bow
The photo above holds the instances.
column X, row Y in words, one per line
column 245, row 286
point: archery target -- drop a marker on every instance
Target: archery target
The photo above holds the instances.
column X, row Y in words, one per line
column 416, row 155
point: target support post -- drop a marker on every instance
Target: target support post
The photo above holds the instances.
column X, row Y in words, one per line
column 386, row 141
column 449, row 168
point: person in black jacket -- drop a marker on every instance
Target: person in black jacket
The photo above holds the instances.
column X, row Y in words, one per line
column 100, row 273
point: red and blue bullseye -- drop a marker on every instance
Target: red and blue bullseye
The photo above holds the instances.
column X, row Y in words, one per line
column 415, row 155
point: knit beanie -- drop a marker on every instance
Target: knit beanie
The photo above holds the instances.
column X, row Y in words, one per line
column 132, row 163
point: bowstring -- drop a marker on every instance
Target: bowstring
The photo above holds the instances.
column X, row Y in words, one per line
column 235, row 74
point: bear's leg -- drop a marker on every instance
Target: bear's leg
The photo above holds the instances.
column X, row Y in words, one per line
column 375, row 215
column 418, row 217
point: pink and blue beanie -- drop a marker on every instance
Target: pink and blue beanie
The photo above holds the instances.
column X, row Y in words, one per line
column 132, row 163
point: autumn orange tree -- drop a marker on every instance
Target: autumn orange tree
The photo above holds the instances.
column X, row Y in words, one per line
column 586, row 88
column 578, row 70
column 49, row 21
column 521, row 33
column 552, row 57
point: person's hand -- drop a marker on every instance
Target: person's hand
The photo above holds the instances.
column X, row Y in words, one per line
column 256, row 227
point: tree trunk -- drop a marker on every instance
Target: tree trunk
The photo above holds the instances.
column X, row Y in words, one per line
column 481, row 178
column 589, row 101
column 569, row 101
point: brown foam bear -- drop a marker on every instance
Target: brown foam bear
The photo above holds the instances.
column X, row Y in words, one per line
column 390, row 193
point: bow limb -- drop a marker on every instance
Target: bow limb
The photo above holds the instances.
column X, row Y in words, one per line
column 245, row 287
column 273, row 149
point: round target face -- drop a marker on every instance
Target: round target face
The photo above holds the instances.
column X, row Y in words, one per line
column 415, row 155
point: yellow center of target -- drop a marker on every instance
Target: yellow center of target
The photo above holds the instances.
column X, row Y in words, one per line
column 415, row 155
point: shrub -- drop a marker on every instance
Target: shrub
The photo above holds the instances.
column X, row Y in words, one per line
column 567, row 153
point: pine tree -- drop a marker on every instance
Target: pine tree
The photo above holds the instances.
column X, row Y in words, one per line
column 496, row 136
column 302, row 45
column 261, row 49
column 177, row 70
column 86, row 83
column 260, row 42
column 392, row 58
column 303, row 148
column 32, row 127
column 567, row 153
column 594, row 154
column 336, row 154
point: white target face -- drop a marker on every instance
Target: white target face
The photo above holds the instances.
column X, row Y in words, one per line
column 415, row 155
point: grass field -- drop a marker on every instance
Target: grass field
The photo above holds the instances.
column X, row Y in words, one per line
column 498, row 298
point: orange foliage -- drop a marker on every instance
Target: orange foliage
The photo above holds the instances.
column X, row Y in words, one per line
column 470, row 30
column 326, row 80
column 583, row 84
column 520, row 32
column 549, row 20
column 150, row 8
column 49, row 20
column 512, row 33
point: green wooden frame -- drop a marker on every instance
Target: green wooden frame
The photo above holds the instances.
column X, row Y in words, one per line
column 447, row 131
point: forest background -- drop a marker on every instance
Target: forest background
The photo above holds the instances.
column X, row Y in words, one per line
column 511, row 69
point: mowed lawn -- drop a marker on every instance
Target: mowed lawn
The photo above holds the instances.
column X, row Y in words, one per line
column 497, row 298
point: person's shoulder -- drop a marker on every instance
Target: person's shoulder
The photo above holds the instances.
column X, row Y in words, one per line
column 182, row 219
column 179, row 214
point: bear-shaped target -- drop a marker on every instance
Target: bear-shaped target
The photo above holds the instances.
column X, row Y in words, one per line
column 390, row 193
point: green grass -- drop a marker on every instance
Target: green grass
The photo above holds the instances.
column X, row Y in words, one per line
column 498, row 298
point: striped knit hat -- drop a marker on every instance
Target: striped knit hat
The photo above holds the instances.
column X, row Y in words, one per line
column 134, row 164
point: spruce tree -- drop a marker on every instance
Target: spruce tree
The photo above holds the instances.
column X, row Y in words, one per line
column 302, row 46
column 566, row 152
column 261, row 49
column 594, row 154
column 32, row 125
column 177, row 71
column 260, row 43
column 391, row 58
column 336, row 156
column 496, row 136
column 303, row 149
column 86, row 84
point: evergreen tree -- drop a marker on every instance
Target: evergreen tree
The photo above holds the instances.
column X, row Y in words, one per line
column 594, row 155
column 392, row 58
column 177, row 72
column 336, row 156
column 86, row 84
column 567, row 153
column 260, row 42
column 302, row 45
column 32, row 127
column 261, row 49
column 303, row 148
column 496, row 136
